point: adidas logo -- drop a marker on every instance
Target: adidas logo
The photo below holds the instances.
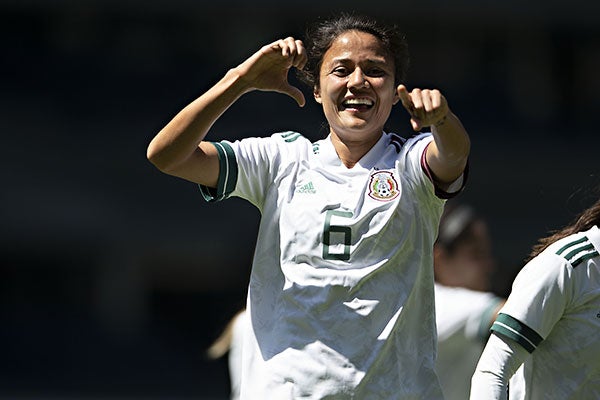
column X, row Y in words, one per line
column 307, row 188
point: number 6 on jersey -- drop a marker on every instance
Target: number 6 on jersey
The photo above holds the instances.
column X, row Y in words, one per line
column 343, row 232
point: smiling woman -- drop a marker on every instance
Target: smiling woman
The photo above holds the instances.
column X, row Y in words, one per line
column 340, row 300
column 356, row 89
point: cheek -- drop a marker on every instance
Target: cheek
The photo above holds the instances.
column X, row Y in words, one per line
column 385, row 109
column 393, row 96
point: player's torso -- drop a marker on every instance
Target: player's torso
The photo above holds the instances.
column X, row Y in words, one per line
column 336, row 218
column 350, row 248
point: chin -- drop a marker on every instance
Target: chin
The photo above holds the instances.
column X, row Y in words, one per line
column 357, row 133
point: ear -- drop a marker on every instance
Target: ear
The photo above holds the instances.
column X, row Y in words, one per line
column 317, row 94
column 396, row 97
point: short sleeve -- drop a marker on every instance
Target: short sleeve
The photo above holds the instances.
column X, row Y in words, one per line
column 228, row 171
column 249, row 167
column 537, row 301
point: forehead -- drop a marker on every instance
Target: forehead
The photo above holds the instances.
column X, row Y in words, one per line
column 356, row 44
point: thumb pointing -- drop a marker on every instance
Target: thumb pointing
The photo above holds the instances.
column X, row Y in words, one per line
column 296, row 94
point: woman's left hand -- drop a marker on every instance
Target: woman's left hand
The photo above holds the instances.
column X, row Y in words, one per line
column 427, row 107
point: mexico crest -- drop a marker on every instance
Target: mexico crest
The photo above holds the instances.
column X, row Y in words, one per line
column 383, row 186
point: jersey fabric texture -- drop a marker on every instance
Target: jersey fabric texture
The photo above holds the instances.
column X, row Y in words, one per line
column 553, row 311
column 463, row 318
column 340, row 300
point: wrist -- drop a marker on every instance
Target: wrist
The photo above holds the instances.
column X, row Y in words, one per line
column 443, row 120
column 235, row 80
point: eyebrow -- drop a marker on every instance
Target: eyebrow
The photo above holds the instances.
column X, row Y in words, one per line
column 369, row 60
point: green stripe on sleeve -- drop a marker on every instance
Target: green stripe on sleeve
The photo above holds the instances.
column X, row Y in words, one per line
column 583, row 258
column 571, row 244
column 517, row 331
column 578, row 250
column 290, row 136
column 228, row 174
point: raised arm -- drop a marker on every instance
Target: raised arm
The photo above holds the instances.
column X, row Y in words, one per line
column 179, row 148
column 500, row 359
column 448, row 154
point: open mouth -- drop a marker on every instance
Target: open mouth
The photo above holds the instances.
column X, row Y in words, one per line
column 357, row 104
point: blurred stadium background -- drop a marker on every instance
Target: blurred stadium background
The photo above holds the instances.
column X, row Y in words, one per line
column 115, row 278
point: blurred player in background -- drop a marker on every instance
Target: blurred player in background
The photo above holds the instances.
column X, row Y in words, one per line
column 465, row 305
column 546, row 339
column 341, row 299
column 229, row 343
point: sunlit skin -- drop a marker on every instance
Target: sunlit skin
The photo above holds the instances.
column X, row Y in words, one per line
column 357, row 92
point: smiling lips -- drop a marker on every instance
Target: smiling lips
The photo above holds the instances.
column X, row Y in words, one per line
column 359, row 104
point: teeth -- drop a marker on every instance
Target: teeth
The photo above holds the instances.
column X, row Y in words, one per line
column 358, row 102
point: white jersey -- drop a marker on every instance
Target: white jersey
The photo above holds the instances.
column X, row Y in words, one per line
column 554, row 313
column 463, row 318
column 340, row 301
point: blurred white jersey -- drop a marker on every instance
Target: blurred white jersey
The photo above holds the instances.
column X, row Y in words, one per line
column 463, row 319
column 340, row 301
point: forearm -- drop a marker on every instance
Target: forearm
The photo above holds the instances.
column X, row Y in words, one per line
column 499, row 361
column 450, row 151
column 180, row 138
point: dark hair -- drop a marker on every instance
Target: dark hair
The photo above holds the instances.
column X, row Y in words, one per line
column 584, row 221
column 320, row 36
column 455, row 226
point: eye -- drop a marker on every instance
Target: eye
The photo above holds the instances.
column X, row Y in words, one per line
column 340, row 71
column 375, row 72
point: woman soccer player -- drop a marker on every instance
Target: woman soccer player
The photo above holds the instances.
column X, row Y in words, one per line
column 546, row 338
column 340, row 301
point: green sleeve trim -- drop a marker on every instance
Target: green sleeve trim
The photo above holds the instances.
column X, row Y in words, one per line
column 517, row 331
column 583, row 258
column 291, row 136
column 578, row 251
column 571, row 244
column 228, row 174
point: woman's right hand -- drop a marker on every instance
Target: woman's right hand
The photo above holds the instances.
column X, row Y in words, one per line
column 179, row 148
column 268, row 68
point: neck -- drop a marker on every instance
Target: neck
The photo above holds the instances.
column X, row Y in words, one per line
column 350, row 152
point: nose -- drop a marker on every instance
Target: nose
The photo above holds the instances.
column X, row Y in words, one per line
column 357, row 79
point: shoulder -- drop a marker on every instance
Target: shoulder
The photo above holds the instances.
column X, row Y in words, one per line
column 285, row 138
column 290, row 138
column 291, row 143
column 561, row 268
column 465, row 299
column 405, row 143
column 281, row 144
column 462, row 293
column 577, row 248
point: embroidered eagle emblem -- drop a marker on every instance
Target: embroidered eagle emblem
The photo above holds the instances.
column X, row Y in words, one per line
column 383, row 186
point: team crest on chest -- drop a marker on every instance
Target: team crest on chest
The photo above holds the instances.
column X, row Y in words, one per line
column 383, row 186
